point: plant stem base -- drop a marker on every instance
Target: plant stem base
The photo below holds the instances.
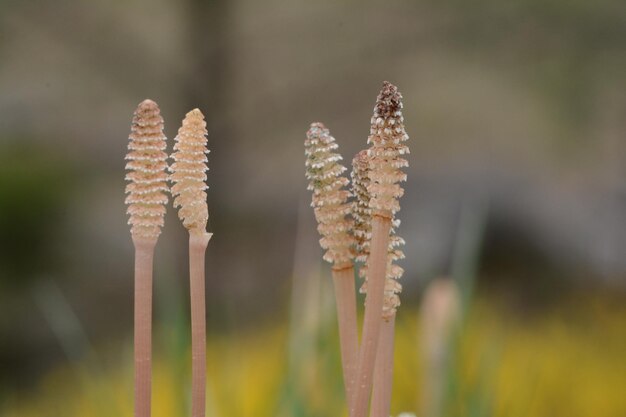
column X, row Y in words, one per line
column 197, row 248
column 144, row 255
column 376, row 268
column 345, row 296
column 383, row 371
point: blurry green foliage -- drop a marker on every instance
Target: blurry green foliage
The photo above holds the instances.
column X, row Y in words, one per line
column 35, row 183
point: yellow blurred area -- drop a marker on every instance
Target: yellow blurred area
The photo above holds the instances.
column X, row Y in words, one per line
column 567, row 362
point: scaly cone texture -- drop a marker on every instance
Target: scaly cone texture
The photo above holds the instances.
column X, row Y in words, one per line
column 362, row 214
column 386, row 136
column 391, row 302
column 189, row 172
column 385, row 174
column 330, row 199
column 147, row 164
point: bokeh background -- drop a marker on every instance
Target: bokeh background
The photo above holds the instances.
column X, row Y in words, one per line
column 516, row 191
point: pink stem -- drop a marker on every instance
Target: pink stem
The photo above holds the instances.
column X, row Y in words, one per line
column 197, row 250
column 376, row 268
column 144, row 254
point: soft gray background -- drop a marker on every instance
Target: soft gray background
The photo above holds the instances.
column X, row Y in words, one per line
column 516, row 112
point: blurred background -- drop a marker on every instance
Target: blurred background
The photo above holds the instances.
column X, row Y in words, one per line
column 516, row 191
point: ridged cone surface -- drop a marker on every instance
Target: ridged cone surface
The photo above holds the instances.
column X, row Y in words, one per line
column 387, row 135
column 362, row 214
column 330, row 198
column 147, row 163
column 378, row 174
column 188, row 172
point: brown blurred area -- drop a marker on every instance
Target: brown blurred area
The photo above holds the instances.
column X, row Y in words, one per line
column 516, row 112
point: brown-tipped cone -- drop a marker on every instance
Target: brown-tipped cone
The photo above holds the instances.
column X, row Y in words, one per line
column 330, row 198
column 189, row 172
column 386, row 136
column 147, row 165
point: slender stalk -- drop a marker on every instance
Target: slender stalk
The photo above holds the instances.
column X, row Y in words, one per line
column 188, row 173
column 332, row 212
column 345, row 297
column 144, row 254
column 383, row 371
column 376, row 267
column 381, row 175
column 197, row 248
column 146, row 199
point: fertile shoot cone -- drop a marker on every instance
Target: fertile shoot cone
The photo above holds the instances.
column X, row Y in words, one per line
column 332, row 212
column 189, row 178
column 147, row 165
column 387, row 135
column 146, row 206
column 189, row 172
column 382, row 181
column 330, row 198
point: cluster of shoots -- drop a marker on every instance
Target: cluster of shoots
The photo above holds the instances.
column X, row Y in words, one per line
column 147, row 199
column 356, row 220
column 358, row 226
